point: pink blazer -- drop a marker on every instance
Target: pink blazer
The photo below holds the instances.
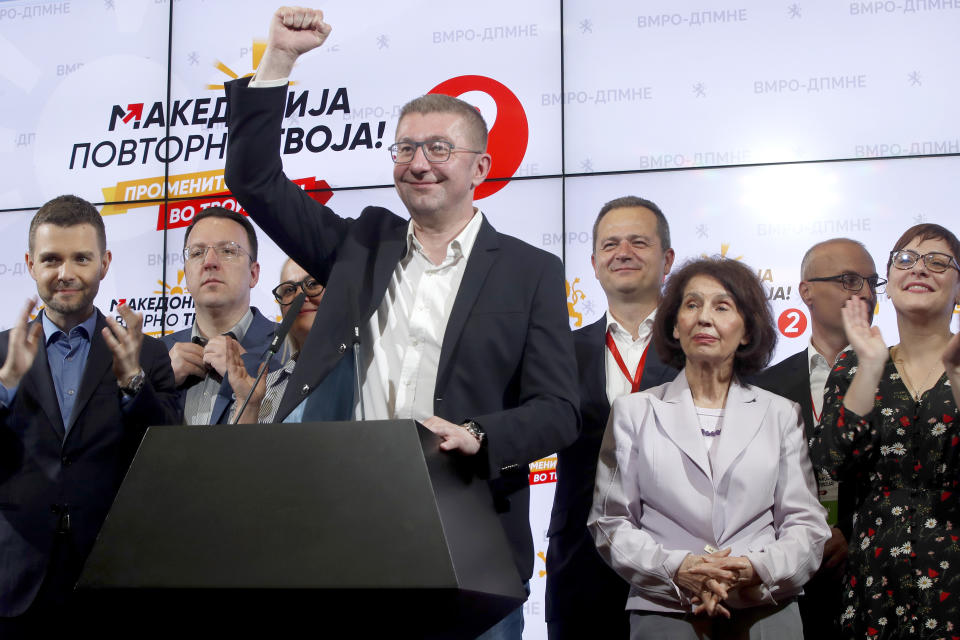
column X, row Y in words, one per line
column 660, row 496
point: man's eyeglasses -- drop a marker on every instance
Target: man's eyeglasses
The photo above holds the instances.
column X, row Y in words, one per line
column 225, row 251
column 854, row 281
column 433, row 150
column 936, row 261
column 285, row 292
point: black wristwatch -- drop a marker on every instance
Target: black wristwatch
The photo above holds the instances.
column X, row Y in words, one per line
column 133, row 387
column 476, row 431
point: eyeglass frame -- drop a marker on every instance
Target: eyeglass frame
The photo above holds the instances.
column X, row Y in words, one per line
column 216, row 249
column 422, row 145
column 302, row 285
column 880, row 282
column 922, row 256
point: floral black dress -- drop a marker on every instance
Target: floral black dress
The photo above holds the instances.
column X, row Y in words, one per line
column 903, row 570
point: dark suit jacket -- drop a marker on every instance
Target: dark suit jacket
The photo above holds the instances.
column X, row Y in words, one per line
column 255, row 341
column 507, row 355
column 579, row 582
column 790, row 378
column 41, row 473
column 820, row 607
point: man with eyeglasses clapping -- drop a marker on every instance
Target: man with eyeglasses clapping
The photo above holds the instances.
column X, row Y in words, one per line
column 220, row 264
column 831, row 273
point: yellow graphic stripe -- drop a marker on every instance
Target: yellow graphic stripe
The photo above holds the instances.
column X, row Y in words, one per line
column 131, row 193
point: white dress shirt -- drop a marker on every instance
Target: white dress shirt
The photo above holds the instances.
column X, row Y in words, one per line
column 404, row 336
column 630, row 350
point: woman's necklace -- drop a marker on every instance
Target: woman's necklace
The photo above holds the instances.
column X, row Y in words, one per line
column 914, row 390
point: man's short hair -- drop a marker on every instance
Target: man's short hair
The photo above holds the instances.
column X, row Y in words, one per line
column 439, row 103
column 68, row 211
column 626, row 202
column 744, row 287
column 220, row 212
column 805, row 263
column 926, row 231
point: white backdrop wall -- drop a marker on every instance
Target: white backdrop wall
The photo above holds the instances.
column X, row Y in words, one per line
column 760, row 128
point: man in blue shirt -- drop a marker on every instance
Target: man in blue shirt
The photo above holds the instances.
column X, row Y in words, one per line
column 77, row 391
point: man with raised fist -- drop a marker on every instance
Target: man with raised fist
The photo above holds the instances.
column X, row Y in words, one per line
column 77, row 391
column 462, row 328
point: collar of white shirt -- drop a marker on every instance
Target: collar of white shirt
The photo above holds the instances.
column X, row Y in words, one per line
column 819, row 370
column 815, row 359
column 459, row 247
column 644, row 331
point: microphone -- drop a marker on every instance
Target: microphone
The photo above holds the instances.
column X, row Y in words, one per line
column 278, row 339
column 357, row 388
column 284, row 329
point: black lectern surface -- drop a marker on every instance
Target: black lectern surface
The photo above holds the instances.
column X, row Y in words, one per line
column 364, row 523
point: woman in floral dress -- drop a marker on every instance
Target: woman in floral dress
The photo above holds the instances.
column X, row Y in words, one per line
column 891, row 428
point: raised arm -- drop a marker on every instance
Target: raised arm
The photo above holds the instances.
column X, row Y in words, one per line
column 872, row 354
column 304, row 229
column 293, row 32
column 951, row 364
column 21, row 348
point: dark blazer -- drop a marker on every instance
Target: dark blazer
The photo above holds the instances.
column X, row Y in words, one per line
column 820, row 606
column 44, row 477
column 790, row 378
column 580, row 585
column 507, row 355
column 255, row 341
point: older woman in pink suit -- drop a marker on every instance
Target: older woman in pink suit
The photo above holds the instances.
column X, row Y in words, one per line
column 705, row 500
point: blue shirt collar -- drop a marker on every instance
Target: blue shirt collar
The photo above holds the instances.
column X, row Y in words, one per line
column 85, row 328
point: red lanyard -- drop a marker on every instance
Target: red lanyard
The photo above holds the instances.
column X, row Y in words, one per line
column 813, row 410
column 635, row 379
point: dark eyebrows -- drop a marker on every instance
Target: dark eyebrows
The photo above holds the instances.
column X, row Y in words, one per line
column 47, row 255
column 725, row 296
column 630, row 236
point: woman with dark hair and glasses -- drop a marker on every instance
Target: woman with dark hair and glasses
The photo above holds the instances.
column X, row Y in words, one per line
column 265, row 401
column 890, row 423
column 705, row 500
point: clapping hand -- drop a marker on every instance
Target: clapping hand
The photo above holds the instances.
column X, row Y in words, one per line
column 124, row 343
column 241, row 382
column 21, row 347
column 951, row 365
column 865, row 339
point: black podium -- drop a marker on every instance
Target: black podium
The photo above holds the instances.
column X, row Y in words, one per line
column 364, row 527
